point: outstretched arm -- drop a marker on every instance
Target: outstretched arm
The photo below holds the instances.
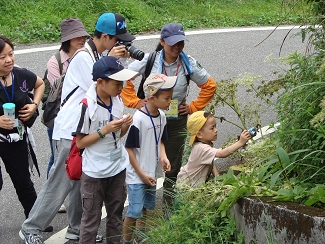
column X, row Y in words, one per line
column 244, row 137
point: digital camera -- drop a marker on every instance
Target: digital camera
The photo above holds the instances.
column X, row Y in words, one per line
column 252, row 131
column 134, row 52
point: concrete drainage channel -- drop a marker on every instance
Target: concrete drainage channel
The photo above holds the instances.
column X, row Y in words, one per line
column 263, row 221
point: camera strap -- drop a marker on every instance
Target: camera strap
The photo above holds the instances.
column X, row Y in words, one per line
column 94, row 49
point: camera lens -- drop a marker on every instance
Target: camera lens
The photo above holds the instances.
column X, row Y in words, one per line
column 135, row 53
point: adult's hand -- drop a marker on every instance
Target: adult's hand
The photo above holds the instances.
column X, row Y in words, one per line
column 183, row 108
column 119, row 52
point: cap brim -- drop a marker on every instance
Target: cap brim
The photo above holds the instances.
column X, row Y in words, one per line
column 123, row 75
column 172, row 40
column 192, row 139
column 169, row 83
column 126, row 37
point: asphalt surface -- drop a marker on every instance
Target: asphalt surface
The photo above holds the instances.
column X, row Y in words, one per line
column 224, row 53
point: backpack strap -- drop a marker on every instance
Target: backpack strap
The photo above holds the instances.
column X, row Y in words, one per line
column 149, row 65
column 68, row 96
column 58, row 58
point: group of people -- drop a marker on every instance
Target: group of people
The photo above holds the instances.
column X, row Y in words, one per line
column 94, row 114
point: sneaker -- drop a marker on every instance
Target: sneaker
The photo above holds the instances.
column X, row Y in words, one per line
column 62, row 209
column 30, row 238
column 73, row 236
column 48, row 229
column 99, row 238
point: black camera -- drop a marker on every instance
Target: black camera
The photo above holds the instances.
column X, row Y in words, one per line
column 134, row 52
column 252, row 131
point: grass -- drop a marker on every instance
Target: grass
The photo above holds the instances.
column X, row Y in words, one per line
column 38, row 21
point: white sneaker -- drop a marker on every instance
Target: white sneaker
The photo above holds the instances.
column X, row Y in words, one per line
column 30, row 238
column 62, row 209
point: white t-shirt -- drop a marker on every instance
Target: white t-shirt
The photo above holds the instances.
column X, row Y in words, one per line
column 199, row 165
column 97, row 159
column 142, row 139
column 79, row 74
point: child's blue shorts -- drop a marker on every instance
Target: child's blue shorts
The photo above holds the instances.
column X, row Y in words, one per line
column 140, row 196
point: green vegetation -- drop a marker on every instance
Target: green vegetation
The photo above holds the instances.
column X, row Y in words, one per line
column 38, row 20
column 287, row 165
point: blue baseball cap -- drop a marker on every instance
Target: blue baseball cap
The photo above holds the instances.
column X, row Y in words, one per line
column 114, row 25
column 172, row 33
column 111, row 67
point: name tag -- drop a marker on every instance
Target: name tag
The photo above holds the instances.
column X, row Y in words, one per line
column 172, row 111
column 115, row 154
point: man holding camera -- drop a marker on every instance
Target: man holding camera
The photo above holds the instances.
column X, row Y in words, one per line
column 110, row 29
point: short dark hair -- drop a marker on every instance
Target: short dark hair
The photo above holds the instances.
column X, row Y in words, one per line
column 65, row 46
column 159, row 47
column 3, row 41
column 98, row 34
column 158, row 93
column 207, row 114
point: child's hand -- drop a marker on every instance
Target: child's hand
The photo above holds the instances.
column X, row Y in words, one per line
column 148, row 180
column 112, row 126
column 127, row 119
column 165, row 165
column 244, row 137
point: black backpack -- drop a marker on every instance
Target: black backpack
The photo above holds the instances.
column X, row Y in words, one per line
column 53, row 102
column 147, row 71
column 46, row 81
column 150, row 62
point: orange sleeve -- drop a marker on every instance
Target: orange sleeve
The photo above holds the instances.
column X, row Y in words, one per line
column 205, row 95
column 129, row 95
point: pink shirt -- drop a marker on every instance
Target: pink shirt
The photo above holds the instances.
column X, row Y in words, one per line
column 199, row 165
column 53, row 66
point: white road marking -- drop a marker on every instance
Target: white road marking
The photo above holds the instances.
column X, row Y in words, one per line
column 188, row 33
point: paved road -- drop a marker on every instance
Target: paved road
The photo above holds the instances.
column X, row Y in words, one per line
column 224, row 53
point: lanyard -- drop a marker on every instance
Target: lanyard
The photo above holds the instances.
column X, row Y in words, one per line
column 154, row 129
column 109, row 108
column 178, row 65
column 12, row 88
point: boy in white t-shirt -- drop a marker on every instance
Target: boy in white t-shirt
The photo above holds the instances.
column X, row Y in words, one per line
column 100, row 126
column 145, row 148
column 202, row 128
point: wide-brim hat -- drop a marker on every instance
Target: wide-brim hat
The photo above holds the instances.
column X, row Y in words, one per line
column 110, row 67
column 72, row 28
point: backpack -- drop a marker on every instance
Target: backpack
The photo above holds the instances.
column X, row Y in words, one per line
column 53, row 102
column 47, row 82
column 150, row 62
column 73, row 163
column 149, row 65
